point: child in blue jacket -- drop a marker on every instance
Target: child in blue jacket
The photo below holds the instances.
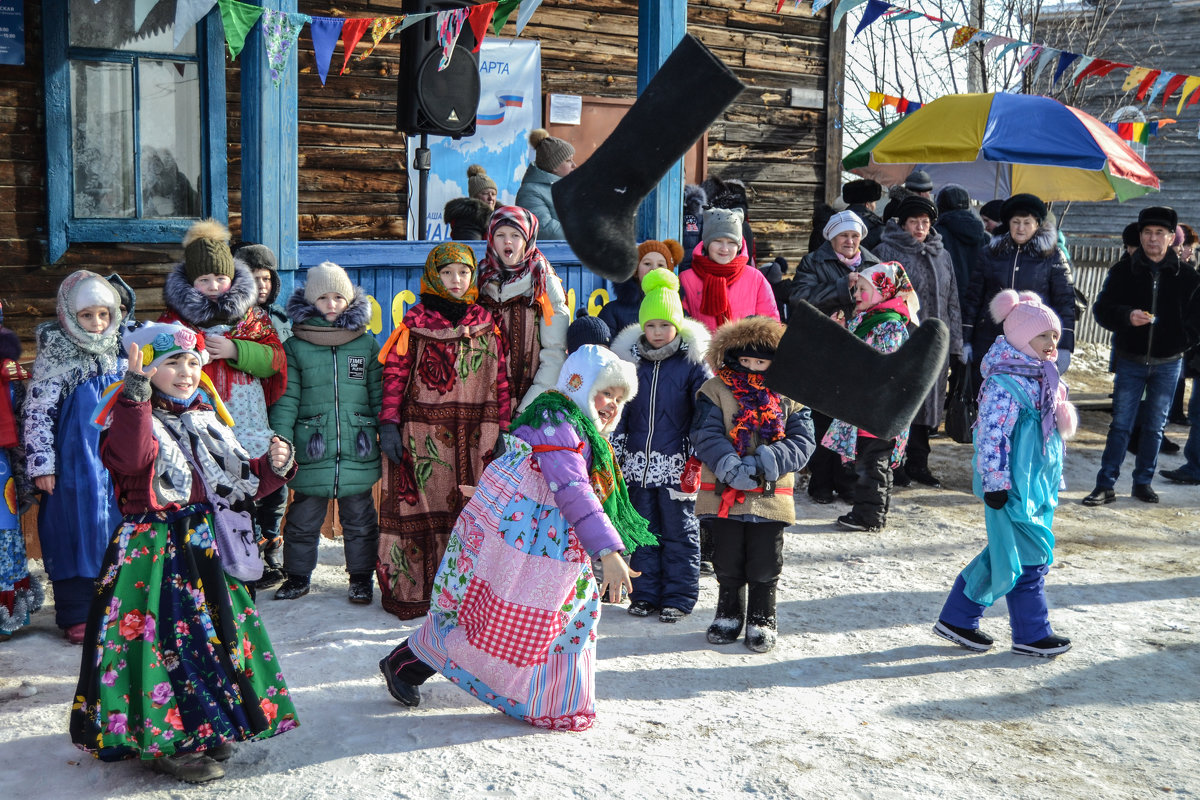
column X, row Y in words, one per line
column 652, row 446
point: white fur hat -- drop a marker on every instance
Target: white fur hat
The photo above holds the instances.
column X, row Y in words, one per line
column 590, row 370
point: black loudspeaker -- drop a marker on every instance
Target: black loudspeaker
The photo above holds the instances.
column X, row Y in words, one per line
column 441, row 103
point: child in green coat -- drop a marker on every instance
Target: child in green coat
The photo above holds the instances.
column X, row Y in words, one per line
column 330, row 411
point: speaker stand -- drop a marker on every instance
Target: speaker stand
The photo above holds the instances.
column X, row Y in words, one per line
column 422, row 163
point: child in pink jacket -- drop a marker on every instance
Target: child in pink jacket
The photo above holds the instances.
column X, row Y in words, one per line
column 721, row 285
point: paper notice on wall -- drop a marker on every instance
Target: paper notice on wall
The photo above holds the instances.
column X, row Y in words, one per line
column 566, row 109
column 12, row 31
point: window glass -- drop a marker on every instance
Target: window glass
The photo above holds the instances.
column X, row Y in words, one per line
column 102, row 139
column 138, row 25
column 170, row 132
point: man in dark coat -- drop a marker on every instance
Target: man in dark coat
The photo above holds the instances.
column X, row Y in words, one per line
column 1150, row 304
column 861, row 197
column 962, row 233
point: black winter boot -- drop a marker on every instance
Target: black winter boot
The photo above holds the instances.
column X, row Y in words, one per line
column 295, row 586
column 760, row 621
column 272, row 569
column 360, row 589
column 731, row 615
column 596, row 203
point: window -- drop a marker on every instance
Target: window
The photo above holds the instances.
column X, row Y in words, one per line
column 135, row 127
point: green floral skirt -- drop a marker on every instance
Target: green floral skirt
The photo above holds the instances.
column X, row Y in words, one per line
column 176, row 658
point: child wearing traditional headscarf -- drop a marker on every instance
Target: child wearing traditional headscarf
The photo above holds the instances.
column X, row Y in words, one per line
column 885, row 304
column 721, row 286
column 1024, row 416
column 20, row 593
column 177, row 665
column 526, row 299
column 445, row 402
column 752, row 441
column 516, row 603
column 652, row 444
column 78, row 358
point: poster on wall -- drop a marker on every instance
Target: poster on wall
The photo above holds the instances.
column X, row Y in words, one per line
column 510, row 72
column 12, row 31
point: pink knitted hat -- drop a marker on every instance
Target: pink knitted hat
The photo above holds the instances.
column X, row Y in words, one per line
column 1024, row 316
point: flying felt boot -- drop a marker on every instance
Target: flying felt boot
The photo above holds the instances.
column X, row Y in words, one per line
column 598, row 201
column 822, row 365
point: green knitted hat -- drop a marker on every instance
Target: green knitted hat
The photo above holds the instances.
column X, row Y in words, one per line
column 206, row 250
column 661, row 288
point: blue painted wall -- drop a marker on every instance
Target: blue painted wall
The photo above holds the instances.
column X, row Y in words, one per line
column 390, row 271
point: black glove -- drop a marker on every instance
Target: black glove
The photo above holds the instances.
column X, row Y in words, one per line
column 390, row 441
column 996, row 500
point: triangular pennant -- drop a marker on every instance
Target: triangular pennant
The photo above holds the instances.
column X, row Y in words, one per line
column 994, row 42
column 912, row 107
column 530, row 6
column 481, row 16
column 449, row 25
column 325, row 32
column 1135, row 76
column 1082, row 64
column 1029, row 56
column 380, row 26
column 816, row 6
column 280, row 31
column 904, row 16
column 842, row 8
column 187, row 14
column 1098, row 69
column 142, row 9
column 962, row 36
column 1048, row 55
column 944, row 26
column 352, row 31
column 1159, row 84
column 901, row 105
column 504, row 10
column 238, row 19
column 1064, row 61
column 1172, row 85
column 1147, row 81
column 874, row 10
column 1190, row 85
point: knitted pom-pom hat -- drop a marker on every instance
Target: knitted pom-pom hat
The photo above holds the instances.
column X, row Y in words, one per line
column 1023, row 316
column 551, row 151
column 478, row 181
column 669, row 249
column 206, row 250
column 661, row 288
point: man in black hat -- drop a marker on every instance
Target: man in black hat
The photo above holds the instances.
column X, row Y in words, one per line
column 1151, row 306
column 861, row 197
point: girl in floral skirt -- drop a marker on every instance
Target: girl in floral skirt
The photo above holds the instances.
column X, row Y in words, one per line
column 445, row 401
column 176, row 664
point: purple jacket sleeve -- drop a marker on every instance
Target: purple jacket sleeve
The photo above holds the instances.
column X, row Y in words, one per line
column 566, row 473
column 998, row 412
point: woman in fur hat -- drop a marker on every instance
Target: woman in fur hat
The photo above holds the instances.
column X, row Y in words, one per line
column 445, row 401
column 1022, row 255
column 751, row 441
column 210, row 293
column 78, row 358
column 516, row 604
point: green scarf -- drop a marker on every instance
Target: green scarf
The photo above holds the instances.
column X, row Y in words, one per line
column 631, row 526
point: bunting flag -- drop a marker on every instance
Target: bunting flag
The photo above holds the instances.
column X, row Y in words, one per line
column 1139, row 132
column 842, row 8
column 874, row 10
column 1065, row 60
column 877, row 100
column 1098, row 69
column 352, row 32
column 816, row 6
column 188, row 14
column 504, row 10
column 1163, row 80
column 325, row 32
column 280, row 31
column 380, row 27
column 1081, row 64
column 1172, row 85
column 1048, row 55
column 1030, row 54
column 994, row 42
column 1135, row 77
column 481, row 16
column 449, row 25
column 1190, row 85
column 529, row 6
column 1147, row 81
column 238, row 19
column 963, row 35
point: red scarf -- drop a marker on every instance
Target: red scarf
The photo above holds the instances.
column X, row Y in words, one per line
column 717, row 278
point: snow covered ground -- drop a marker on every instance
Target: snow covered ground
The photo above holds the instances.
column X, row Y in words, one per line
column 859, row 699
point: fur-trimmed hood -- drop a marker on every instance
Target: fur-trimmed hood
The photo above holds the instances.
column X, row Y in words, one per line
column 354, row 318
column 693, row 336
column 591, row 369
column 1044, row 241
column 694, row 199
column 747, row 332
column 201, row 312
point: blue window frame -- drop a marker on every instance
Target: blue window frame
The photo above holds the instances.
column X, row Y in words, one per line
column 135, row 132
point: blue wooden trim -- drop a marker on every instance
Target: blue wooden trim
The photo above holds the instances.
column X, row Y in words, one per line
column 57, row 79
column 214, row 156
column 62, row 228
column 661, row 25
column 387, row 269
column 270, row 145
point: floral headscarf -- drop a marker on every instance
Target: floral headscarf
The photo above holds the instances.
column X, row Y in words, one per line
column 449, row 253
column 893, row 284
